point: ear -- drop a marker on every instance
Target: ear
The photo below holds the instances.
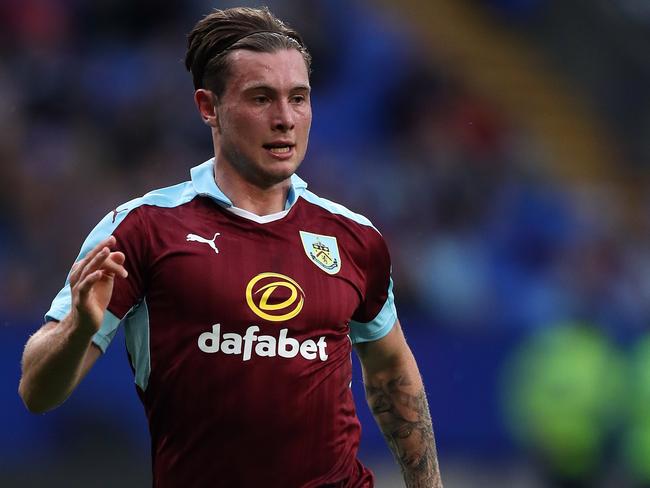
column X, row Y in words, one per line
column 205, row 102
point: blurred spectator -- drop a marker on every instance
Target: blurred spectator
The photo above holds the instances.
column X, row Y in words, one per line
column 637, row 436
column 564, row 395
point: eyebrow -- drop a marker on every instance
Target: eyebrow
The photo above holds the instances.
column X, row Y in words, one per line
column 261, row 86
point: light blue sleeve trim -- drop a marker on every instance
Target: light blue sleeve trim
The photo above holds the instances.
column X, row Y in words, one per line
column 136, row 330
column 336, row 208
column 380, row 325
column 62, row 302
column 107, row 331
column 169, row 197
column 60, row 305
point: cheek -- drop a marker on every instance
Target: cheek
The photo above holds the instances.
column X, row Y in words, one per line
column 305, row 121
column 239, row 124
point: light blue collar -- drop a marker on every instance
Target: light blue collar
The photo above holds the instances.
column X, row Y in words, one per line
column 203, row 181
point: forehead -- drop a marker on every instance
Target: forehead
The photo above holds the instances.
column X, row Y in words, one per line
column 281, row 70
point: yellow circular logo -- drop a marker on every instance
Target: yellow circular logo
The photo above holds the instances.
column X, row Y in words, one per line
column 267, row 284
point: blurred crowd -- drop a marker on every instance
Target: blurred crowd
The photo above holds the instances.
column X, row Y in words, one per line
column 96, row 108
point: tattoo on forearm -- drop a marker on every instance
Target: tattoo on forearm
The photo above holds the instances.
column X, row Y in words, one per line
column 404, row 419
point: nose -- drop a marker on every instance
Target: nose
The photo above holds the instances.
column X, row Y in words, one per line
column 283, row 116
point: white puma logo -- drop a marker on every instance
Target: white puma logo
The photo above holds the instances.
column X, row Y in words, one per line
column 194, row 237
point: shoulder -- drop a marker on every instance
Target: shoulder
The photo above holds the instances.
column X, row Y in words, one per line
column 129, row 215
column 168, row 197
column 338, row 210
column 354, row 231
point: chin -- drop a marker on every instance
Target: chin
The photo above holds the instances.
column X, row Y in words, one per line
column 278, row 177
column 279, row 172
column 268, row 179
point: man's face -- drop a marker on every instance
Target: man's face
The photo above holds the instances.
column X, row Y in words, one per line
column 264, row 115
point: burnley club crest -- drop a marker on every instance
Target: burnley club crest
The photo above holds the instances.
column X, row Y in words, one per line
column 323, row 251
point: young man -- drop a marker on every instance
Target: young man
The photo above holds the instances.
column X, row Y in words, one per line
column 241, row 294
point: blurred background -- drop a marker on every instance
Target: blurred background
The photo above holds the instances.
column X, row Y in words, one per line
column 501, row 146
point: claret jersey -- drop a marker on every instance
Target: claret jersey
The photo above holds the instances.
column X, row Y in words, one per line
column 239, row 330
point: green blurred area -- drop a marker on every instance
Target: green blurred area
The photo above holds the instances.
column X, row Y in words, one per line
column 578, row 404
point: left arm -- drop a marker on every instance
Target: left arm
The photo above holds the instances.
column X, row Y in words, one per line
column 396, row 397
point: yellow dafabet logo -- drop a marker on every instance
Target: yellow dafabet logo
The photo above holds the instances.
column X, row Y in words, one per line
column 266, row 295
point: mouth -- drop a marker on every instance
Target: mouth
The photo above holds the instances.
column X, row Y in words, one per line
column 280, row 150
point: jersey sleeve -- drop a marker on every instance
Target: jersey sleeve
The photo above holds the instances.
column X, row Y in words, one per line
column 129, row 232
column 376, row 315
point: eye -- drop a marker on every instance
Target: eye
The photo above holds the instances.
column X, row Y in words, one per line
column 298, row 99
column 261, row 99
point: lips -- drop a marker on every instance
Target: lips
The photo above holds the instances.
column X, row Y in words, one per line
column 280, row 149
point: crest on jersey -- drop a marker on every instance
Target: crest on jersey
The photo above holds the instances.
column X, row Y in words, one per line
column 323, row 251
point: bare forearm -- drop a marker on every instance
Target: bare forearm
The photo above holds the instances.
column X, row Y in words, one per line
column 52, row 364
column 59, row 354
column 399, row 404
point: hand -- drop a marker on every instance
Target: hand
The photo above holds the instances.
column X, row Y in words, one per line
column 91, row 284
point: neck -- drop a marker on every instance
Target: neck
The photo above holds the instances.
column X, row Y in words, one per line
column 248, row 196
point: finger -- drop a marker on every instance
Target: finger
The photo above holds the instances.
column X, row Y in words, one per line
column 108, row 242
column 99, row 259
column 117, row 257
column 114, row 266
column 74, row 272
column 78, row 267
column 87, row 283
column 95, row 263
column 103, row 262
column 111, row 264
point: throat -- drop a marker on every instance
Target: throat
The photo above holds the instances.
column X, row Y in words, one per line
column 261, row 206
column 248, row 196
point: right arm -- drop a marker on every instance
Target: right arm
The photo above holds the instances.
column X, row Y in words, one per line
column 60, row 354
